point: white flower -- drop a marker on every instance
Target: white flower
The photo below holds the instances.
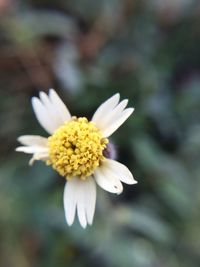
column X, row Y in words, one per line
column 75, row 149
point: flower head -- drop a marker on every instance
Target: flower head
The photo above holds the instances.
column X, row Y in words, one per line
column 77, row 149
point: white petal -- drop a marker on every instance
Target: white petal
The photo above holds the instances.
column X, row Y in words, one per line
column 105, row 108
column 113, row 115
column 110, row 129
column 32, row 140
column 42, row 115
column 81, row 211
column 60, row 106
column 32, row 149
column 51, row 110
column 45, row 100
column 70, row 199
column 90, row 198
column 121, row 170
column 80, row 194
column 39, row 156
column 117, row 110
column 107, row 180
column 36, row 145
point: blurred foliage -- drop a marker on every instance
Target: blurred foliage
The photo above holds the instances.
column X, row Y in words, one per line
column 88, row 50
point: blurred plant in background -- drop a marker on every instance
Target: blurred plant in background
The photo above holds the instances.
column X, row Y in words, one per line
column 87, row 50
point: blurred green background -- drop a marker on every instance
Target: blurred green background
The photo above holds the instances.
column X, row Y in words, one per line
column 149, row 51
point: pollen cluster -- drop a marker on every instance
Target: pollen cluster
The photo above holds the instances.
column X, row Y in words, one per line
column 76, row 148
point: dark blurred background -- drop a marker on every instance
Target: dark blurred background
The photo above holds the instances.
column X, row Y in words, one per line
column 149, row 51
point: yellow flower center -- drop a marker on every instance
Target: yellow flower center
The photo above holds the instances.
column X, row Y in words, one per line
column 76, row 148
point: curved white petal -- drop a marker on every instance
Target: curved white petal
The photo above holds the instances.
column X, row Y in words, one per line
column 34, row 144
column 32, row 149
column 50, row 111
column 105, row 108
column 70, row 200
column 121, row 171
column 107, row 180
column 60, row 106
column 30, row 140
column 110, row 129
column 42, row 115
column 39, row 156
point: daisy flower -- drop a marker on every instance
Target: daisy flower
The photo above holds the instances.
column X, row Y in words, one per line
column 78, row 150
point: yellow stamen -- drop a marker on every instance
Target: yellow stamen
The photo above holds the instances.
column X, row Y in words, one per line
column 76, row 148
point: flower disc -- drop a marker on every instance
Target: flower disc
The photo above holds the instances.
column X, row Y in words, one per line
column 76, row 148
